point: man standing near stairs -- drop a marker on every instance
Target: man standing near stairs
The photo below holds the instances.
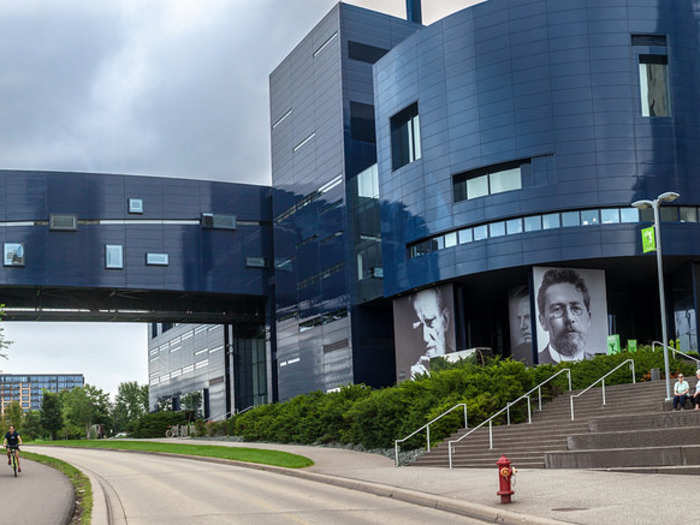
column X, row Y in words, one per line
column 680, row 392
column 696, row 396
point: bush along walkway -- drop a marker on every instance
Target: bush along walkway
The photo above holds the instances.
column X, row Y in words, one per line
column 82, row 513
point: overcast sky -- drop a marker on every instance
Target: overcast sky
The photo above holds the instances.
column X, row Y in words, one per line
column 151, row 87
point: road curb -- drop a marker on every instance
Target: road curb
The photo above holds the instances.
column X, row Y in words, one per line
column 424, row 499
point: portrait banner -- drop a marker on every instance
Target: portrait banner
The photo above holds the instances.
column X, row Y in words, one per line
column 423, row 328
column 520, row 322
column 572, row 313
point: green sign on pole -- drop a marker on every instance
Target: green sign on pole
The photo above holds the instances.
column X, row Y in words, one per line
column 631, row 345
column 614, row 344
column 648, row 239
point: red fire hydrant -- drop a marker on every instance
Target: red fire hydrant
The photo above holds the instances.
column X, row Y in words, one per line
column 505, row 472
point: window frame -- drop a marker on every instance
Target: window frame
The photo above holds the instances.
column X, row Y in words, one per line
column 121, row 257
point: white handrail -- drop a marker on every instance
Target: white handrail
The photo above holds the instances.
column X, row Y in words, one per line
column 659, row 343
column 507, row 410
column 427, row 433
column 571, row 398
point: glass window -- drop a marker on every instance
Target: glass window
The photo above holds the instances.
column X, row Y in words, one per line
column 689, row 214
column 218, row 221
column 450, row 239
column 114, row 256
column 507, row 180
column 629, row 215
column 550, row 220
column 477, row 187
column 646, row 215
column 465, row 236
column 14, row 254
column 570, row 218
column 653, row 85
column 497, row 229
column 405, row 137
column 480, row 233
column 533, row 223
column 255, row 262
column 135, row 205
column 514, row 226
column 610, row 216
column 157, row 259
column 668, row 213
column 362, row 122
column 589, row 217
column 439, row 242
column 368, row 182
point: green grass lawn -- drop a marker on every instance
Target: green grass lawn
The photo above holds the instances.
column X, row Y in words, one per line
column 250, row 455
column 81, row 484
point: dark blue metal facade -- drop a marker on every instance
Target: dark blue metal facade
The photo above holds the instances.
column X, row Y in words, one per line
column 554, row 81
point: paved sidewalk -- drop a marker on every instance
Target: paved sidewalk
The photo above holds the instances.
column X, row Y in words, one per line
column 578, row 496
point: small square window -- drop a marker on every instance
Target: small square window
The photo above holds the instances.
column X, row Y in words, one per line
column 514, row 226
column 689, row 214
column 481, row 232
column 477, row 187
column 550, row 221
column 590, row 217
column 450, row 239
column 157, row 259
column 497, row 229
column 465, row 236
column 135, row 205
column 610, row 216
column 405, row 137
column 533, row 223
column 255, row 262
column 114, row 256
column 570, row 218
column 14, row 254
column 439, row 242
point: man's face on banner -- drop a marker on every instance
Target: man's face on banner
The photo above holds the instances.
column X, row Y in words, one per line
column 434, row 320
column 524, row 320
column 566, row 318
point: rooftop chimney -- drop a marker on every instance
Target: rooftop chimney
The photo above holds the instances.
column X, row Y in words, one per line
column 413, row 13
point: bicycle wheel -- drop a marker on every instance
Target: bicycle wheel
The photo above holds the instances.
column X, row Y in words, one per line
column 14, row 463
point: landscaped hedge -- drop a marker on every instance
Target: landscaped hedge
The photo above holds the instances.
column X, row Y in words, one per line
column 155, row 424
column 360, row 415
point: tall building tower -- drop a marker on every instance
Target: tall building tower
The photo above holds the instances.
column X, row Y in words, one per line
column 328, row 267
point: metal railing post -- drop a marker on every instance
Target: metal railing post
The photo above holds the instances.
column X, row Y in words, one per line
column 490, row 435
column 529, row 411
column 427, row 437
column 569, row 374
column 396, row 453
column 449, row 453
column 571, row 401
column 634, row 379
column 465, row 416
column 603, row 392
column 539, row 398
column 508, row 413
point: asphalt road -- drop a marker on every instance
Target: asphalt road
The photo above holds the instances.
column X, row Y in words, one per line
column 141, row 489
column 39, row 495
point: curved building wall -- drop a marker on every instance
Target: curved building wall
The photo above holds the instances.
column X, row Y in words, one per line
column 554, row 82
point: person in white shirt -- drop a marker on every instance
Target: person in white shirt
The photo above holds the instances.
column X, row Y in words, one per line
column 696, row 396
column 680, row 392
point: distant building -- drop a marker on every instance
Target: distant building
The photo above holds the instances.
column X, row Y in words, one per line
column 28, row 390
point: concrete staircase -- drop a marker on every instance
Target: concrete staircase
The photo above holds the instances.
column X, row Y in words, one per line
column 527, row 444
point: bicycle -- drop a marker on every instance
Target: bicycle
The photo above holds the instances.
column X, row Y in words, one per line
column 13, row 455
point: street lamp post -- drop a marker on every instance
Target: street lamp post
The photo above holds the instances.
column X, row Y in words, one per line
column 668, row 196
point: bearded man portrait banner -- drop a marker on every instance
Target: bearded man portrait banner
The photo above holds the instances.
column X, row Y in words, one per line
column 572, row 313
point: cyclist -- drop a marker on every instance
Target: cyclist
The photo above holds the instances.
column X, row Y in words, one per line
column 12, row 442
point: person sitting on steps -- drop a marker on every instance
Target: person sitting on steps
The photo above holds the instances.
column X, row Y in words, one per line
column 696, row 396
column 680, row 392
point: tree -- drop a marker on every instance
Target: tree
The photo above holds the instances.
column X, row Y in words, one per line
column 13, row 416
column 130, row 403
column 31, row 428
column 85, row 406
column 51, row 417
column 4, row 343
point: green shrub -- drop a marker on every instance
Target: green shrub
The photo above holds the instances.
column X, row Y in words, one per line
column 155, row 424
